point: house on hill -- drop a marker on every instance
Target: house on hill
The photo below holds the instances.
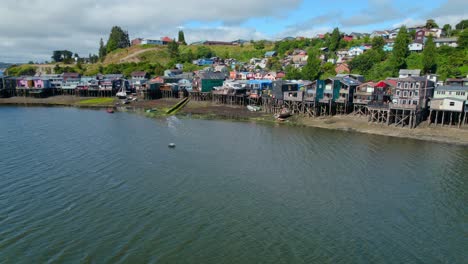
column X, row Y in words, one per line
column 451, row 42
column 404, row 73
column 342, row 68
column 417, row 47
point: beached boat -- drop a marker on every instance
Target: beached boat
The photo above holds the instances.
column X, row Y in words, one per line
column 253, row 108
column 285, row 113
column 110, row 110
column 122, row 93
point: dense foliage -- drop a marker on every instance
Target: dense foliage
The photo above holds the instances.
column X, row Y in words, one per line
column 118, row 39
column 62, row 56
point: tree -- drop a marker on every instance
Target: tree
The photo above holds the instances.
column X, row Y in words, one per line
column 102, row 49
column 463, row 39
column 259, row 45
column 311, row 70
column 334, row 40
column 274, row 63
column 173, row 49
column 118, row 39
column 292, row 73
column 400, row 50
column 462, row 25
column 430, row 23
column 378, row 43
column 363, row 63
column 182, row 38
column 204, row 52
column 447, row 30
column 429, row 56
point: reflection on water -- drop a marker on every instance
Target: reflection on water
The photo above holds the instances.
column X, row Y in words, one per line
column 86, row 186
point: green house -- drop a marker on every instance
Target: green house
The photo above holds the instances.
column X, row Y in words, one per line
column 206, row 81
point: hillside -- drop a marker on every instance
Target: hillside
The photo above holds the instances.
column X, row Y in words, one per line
column 160, row 54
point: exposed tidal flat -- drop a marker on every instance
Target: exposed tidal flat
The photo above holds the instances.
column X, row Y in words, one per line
column 80, row 185
column 208, row 110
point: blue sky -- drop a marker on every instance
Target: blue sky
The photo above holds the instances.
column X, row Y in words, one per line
column 77, row 25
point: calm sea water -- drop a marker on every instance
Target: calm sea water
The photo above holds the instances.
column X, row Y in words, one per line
column 85, row 186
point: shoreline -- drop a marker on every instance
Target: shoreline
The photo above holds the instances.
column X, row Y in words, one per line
column 210, row 111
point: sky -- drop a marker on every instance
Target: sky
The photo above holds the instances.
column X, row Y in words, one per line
column 31, row 29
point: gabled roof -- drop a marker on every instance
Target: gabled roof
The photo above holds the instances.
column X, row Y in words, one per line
column 212, row 75
column 139, row 74
column 445, row 40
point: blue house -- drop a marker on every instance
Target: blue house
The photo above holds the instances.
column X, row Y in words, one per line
column 204, row 62
column 388, row 47
column 270, row 54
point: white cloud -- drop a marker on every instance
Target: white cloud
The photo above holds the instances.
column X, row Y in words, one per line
column 32, row 29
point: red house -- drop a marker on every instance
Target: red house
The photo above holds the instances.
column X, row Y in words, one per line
column 347, row 38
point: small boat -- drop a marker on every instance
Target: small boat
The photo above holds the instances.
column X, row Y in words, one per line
column 151, row 110
column 122, row 93
column 171, row 145
column 110, row 110
column 285, row 113
column 253, row 108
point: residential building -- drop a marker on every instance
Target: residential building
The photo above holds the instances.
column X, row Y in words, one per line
column 379, row 33
column 409, row 73
column 451, row 42
column 270, row 54
column 152, row 42
column 450, row 98
column 412, row 93
column 416, row 47
column 136, row 41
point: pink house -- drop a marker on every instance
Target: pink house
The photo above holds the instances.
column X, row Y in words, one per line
column 25, row 83
column 40, row 83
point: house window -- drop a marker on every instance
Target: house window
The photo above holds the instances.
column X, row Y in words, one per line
column 417, row 85
column 463, row 93
column 410, row 94
column 406, row 85
column 399, row 85
column 398, row 92
column 405, row 94
column 412, row 85
column 452, row 103
column 415, row 102
column 403, row 102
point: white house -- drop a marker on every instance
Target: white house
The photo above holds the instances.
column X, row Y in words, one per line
column 451, row 42
column 355, row 51
column 450, row 98
column 415, row 47
column 404, row 73
column 152, row 42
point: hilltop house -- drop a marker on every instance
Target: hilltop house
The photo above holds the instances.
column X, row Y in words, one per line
column 415, row 47
column 409, row 73
column 270, row 54
column 451, row 42
column 379, row 33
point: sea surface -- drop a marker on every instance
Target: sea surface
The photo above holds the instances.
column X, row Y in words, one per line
column 85, row 186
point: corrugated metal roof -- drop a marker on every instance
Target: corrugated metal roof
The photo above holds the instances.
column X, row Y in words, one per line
column 451, row 88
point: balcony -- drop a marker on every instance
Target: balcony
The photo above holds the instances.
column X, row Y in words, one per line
column 361, row 101
column 404, row 106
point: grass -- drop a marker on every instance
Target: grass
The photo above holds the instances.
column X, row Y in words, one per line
column 98, row 101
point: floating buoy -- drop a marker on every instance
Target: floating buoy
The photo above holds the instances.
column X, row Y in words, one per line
column 171, row 145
